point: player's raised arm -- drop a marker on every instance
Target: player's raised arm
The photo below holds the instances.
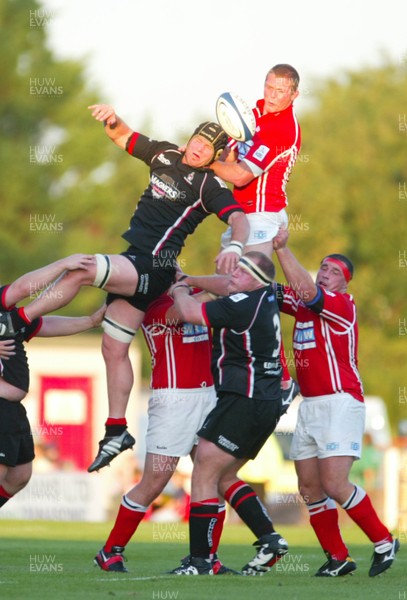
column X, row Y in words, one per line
column 115, row 127
column 236, row 172
column 228, row 258
column 297, row 277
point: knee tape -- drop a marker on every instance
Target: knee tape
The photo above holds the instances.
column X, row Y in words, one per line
column 103, row 270
column 118, row 332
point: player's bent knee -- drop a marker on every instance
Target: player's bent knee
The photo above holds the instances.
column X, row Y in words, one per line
column 103, row 270
column 115, row 330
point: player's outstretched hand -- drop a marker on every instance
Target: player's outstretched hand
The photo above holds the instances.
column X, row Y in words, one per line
column 104, row 113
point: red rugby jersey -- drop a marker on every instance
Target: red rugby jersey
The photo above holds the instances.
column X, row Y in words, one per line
column 271, row 155
column 325, row 343
column 180, row 353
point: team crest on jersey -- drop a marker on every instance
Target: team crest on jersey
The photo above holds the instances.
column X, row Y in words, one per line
column 238, row 297
column 261, row 152
column 156, row 329
column 189, row 178
column 304, row 336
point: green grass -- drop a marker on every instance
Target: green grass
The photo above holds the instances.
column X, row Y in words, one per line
column 47, row 560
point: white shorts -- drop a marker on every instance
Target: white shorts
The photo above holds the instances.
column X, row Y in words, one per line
column 174, row 417
column 263, row 227
column 331, row 425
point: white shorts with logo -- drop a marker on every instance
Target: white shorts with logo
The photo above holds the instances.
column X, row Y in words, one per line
column 263, row 227
column 174, row 417
column 330, row 425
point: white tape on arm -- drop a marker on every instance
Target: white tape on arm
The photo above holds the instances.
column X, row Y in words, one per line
column 234, row 246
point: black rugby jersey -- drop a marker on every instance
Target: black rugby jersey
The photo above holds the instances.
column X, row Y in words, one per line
column 246, row 343
column 15, row 370
column 177, row 199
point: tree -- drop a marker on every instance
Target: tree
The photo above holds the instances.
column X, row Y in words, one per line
column 59, row 180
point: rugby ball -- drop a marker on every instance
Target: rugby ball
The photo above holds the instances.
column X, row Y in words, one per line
column 235, row 116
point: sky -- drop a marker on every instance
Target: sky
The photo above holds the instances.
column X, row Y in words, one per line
column 168, row 60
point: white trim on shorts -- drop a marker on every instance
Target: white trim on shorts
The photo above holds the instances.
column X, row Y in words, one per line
column 175, row 416
column 330, row 425
column 263, row 227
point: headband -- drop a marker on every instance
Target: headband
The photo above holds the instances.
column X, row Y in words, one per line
column 254, row 270
column 343, row 267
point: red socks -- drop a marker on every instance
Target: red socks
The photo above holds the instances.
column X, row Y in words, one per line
column 128, row 519
column 324, row 521
column 360, row 509
column 115, row 426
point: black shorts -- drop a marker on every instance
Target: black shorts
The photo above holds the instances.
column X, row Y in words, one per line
column 16, row 441
column 154, row 277
column 240, row 426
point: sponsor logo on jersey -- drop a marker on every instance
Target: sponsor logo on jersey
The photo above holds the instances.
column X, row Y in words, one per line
column 271, row 368
column 238, row 297
column 162, row 159
column 194, row 333
column 261, row 152
column 163, row 187
column 304, row 336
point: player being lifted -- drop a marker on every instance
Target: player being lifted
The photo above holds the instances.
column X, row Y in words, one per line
column 181, row 193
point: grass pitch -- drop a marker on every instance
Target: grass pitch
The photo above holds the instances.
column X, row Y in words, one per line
column 48, row 560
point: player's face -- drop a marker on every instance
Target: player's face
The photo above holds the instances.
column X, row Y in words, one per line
column 278, row 93
column 199, row 152
column 331, row 277
column 241, row 281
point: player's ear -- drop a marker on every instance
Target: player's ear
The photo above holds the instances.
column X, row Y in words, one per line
column 218, row 154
